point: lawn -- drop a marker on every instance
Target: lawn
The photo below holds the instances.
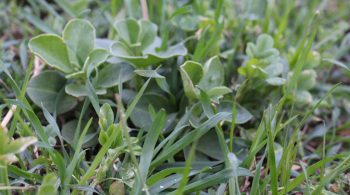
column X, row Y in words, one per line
column 202, row 97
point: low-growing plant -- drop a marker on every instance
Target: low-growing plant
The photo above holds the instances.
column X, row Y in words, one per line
column 174, row 97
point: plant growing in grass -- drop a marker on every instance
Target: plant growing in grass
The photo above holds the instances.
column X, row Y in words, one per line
column 139, row 44
column 209, row 78
column 78, row 61
column 307, row 79
column 175, row 97
column 8, row 150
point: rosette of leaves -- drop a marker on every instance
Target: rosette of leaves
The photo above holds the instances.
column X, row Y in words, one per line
column 139, row 44
column 74, row 57
column 263, row 61
column 208, row 78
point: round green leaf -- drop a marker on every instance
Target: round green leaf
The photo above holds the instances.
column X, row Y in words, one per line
column 79, row 36
column 303, row 97
column 128, row 30
column 191, row 73
column 47, row 89
column 68, row 132
column 148, row 32
column 109, row 75
column 95, row 58
column 307, row 79
column 53, row 50
column 78, row 90
column 213, row 74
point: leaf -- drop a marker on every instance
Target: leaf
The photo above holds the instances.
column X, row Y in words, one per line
column 242, row 114
column 263, row 49
column 91, row 94
column 136, row 99
column 68, row 132
column 307, row 79
column 78, row 143
column 128, row 30
column 9, row 147
column 73, row 8
column 53, row 50
column 189, row 22
column 162, row 174
column 79, row 35
column 181, row 11
column 148, row 32
column 99, row 156
column 274, row 69
column 141, row 116
column 106, row 116
column 121, row 50
column 191, row 74
column 255, row 190
column 213, row 74
column 252, row 68
column 148, row 148
column 209, row 145
column 16, row 146
column 150, row 142
column 149, row 56
column 313, row 59
column 188, row 138
column 148, row 73
column 94, row 59
column 111, row 74
column 303, row 97
column 38, row 23
column 163, row 84
column 172, row 51
column 44, row 89
column 211, row 180
column 218, row 91
column 276, row 81
column 78, row 90
column 336, row 62
column 19, row 145
column 48, row 185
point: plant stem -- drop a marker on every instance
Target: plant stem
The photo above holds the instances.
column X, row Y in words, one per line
column 4, row 181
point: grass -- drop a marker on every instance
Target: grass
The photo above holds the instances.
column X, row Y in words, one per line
column 174, row 97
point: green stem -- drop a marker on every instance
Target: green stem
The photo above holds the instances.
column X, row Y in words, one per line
column 233, row 122
column 4, row 181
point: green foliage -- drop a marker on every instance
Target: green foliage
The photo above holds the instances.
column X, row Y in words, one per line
column 174, row 97
column 138, row 43
column 49, row 185
column 209, row 78
column 47, row 90
column 11, row 147
column 263, row 61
